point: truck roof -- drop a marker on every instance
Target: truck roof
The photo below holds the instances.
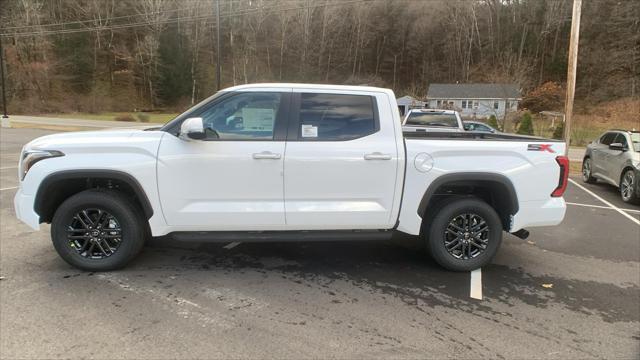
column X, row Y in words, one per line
column 434, row 111
column 307, row 86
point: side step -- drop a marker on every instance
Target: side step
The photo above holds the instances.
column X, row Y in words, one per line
column 259, row 236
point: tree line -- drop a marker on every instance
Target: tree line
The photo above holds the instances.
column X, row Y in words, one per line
column 121, row 55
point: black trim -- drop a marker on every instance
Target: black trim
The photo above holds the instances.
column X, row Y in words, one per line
column 470, row 177
column 404, row 180
column 40, row 202
column 282, row 120
column 284, row 236
column 294, row 116
column 474, row 135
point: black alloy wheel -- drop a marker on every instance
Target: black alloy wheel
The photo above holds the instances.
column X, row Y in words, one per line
column 94, row 233
column 98, row 230
column 466, row 236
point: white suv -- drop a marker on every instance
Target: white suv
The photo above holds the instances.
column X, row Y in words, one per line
column 615, row 159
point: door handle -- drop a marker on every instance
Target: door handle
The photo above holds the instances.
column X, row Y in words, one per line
column 377, row 156
column 266, row 155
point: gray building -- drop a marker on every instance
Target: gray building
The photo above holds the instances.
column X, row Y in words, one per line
column 407, row 103
column 475, row 101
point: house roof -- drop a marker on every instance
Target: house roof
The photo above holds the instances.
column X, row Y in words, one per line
column 473, row 91
column 408, row 100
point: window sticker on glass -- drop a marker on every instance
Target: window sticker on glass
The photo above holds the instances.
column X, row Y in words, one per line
column 309, row 131
column 258, row 119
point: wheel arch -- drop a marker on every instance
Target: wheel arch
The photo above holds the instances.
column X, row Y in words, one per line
column 59, row 186
column 626, row 168
column 496, row 189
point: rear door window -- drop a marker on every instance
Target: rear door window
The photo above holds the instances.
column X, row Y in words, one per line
column 336, row 117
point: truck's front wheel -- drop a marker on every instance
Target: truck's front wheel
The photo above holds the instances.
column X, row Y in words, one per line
column 464, row 234
column 98, row 230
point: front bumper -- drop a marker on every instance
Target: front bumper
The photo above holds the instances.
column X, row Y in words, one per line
column 23, row 205
column 539, row 213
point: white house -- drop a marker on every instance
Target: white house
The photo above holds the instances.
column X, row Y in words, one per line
column 407, row 103
column 475, row 101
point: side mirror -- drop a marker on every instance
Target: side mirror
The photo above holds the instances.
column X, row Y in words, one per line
column 617, row 146
column 192, row 129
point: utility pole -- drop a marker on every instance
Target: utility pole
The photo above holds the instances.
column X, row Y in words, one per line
column 4, row 96
column 571, row 70
column 218, row 50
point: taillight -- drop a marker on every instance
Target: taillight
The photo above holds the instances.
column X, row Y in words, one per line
column 563, row 162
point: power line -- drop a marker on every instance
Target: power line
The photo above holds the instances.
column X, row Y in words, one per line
column 79, row 22
column 174, row 20
column 107, row 19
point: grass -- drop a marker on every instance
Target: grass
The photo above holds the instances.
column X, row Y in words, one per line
column 158, row 118
column 575, row 167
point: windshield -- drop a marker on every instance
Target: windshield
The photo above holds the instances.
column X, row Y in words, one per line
column 432, row 119
column 635, row 140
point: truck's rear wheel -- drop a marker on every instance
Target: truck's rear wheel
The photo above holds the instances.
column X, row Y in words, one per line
column 98, row 230
column 464, row 234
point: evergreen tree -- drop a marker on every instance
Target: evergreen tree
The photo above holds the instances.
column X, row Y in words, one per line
column 493, row 122
column 526, row 124
column 558, row 132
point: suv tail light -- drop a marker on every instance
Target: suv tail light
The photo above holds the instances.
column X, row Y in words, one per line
column 563, row 162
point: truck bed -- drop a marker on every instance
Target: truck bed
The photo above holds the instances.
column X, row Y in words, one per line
column 471, row 135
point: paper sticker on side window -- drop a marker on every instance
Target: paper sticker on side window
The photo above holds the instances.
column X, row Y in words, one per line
column 309, row 131
column 257, row 119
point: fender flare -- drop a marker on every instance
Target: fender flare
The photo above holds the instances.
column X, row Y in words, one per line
column 506, row 184
column 48, row 182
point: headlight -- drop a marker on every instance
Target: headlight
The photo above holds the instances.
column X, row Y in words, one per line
column 30, row 157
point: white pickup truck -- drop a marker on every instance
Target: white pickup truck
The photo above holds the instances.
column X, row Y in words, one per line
column 422, row 120
column 288, row 162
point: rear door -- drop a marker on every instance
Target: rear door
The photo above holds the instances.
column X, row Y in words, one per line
column 341, row 165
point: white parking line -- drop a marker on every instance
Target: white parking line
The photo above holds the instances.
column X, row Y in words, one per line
column 603, row 207
column 8, row 167
column 476, row 284
column 232, row 245
column 606, row 202
column 9, row 188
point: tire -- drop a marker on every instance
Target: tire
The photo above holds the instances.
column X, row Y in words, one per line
column 76, row 230
column 628, row 187
column 455, row 211
column 587, row 170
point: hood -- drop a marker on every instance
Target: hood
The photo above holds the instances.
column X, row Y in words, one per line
column 98, row 141
column 50, row 142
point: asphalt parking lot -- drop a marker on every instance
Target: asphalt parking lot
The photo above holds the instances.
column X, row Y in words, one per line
column 571, row 291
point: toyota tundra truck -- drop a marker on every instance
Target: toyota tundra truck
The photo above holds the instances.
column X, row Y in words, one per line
column 288, row 162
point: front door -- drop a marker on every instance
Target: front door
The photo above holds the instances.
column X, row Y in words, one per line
column 341, row 162
column 615, row 159
column 232, row 179
column 599, row 153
